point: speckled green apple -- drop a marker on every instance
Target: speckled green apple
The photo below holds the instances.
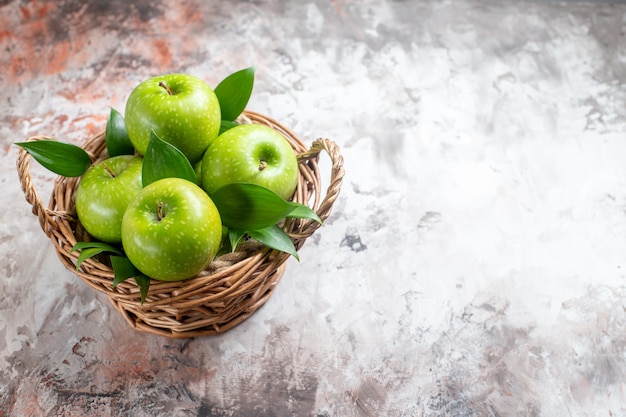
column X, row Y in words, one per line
column 181, row 109
column 172, row 230
column 251, row 153
column 104, row 193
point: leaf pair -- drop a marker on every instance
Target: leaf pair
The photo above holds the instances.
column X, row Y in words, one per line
column 69, row 160
column 256, row 210
column 246, row 206
column 122, row 267
column 161, row 160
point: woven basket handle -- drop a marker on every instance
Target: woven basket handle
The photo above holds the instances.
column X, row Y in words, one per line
column 44, row 214
column 337, row 173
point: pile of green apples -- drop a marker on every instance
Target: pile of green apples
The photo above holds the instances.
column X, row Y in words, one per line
column 182, row 179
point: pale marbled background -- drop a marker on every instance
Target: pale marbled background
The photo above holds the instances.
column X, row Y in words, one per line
column 473, row 266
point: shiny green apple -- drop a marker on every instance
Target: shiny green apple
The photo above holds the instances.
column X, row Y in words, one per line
column 250, row 153
column 172, row 230
column 103, row 194
column 181, row 109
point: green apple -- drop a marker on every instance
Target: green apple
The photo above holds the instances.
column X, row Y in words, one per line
column 172, row 230
column 251, row 153
column 181, row 109
column 103, row 194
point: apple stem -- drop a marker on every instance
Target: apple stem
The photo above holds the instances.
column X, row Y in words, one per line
column 160, row 211
column 262, row 165
column 109, row 170
column 164, row 86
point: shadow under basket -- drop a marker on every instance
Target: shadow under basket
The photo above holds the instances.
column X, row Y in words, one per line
column 231, row 288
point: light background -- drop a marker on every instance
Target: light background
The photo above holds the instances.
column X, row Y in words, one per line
column 473, row 265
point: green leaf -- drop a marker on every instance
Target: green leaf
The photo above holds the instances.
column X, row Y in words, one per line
column 61, row 158
column 122, row 269
column 233, row 93
column 275, row 238
column 227, row 124
column 104, row 246
column 301, row 211
column 234, row 237
column 245, row 206
column 86, row 254
column 91, row 249
column 164, row 160
column 116, row 135
column 144, row 285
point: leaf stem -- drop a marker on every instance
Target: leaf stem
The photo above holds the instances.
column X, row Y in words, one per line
column 160, row 211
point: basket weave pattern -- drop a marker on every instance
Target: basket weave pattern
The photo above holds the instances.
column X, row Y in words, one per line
column 232, row 287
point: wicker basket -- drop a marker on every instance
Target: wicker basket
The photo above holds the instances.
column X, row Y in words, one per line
column 234, row 285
